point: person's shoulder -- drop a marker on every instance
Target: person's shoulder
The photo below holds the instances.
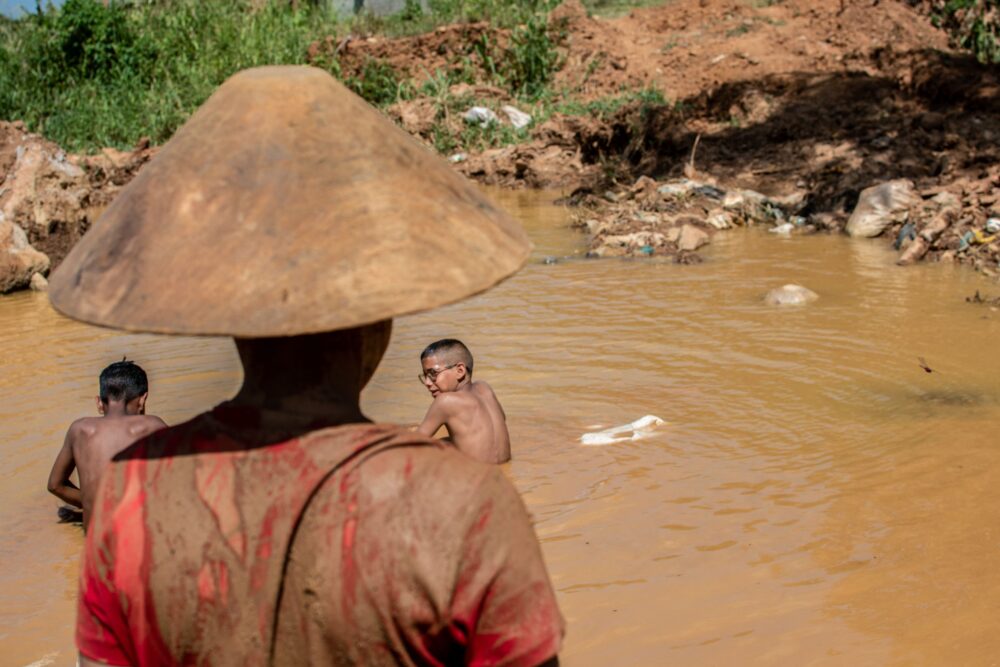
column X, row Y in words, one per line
column 453, row 400
column 148, row 423
column 84, row 426
column 483, row 388
column 419, row 456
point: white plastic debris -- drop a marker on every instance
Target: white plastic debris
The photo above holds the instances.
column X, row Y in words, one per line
column 457, row 157
column 480, row 115
column 517, row 118
column 637, row 430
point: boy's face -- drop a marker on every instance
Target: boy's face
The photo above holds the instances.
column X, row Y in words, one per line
column 441, row 375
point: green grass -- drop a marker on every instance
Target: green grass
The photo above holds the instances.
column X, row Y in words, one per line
column 606, row 107
column 90, row 75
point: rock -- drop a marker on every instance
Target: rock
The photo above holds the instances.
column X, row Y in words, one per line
column 916, row 250
column 946, row 200
column 691, row 238
column 415, row 116
column 678, row 188
column 719, row 219
column 53, row 197
column 517, row 118
column 595, row 226
column 19, row 261
column 790, row 295
column 39, row 283
column 622, row 245
column 880, row 206
column 739, row 198
column 480, row 115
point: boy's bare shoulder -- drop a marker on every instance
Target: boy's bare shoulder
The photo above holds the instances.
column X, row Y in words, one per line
column 144, row 424
column 84, row 426
column 483, row 387
column 452, row 400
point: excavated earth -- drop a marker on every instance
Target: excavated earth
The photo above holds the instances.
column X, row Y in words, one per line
column 778, row 113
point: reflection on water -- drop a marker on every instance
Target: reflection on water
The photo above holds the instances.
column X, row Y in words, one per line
column 815, row 497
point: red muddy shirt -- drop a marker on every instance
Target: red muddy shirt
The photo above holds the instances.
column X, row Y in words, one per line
column 359, row 544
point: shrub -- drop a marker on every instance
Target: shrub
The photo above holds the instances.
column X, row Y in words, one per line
column 973, row 25
column 532, row 58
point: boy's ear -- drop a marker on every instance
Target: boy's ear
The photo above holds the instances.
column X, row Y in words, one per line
column 100, row 405
column 141, row 403
column 465, row 371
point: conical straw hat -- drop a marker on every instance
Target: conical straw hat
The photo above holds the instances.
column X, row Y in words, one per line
column 286, row 205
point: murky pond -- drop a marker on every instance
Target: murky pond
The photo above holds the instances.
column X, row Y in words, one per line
column 816, row 497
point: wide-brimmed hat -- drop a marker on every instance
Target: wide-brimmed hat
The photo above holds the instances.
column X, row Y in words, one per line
column 286, row 205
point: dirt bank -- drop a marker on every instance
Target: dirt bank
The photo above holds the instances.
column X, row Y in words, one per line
column 799, row 105
column 52, row 198
column 807, row 102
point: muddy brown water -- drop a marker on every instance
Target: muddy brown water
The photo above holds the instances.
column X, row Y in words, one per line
column 815, row 498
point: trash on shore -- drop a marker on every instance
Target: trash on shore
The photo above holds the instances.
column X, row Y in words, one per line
column 480, row 115
column 517, row 118
column 881, row 205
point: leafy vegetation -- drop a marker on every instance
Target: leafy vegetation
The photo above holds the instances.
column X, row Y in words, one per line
column 94, row 74
column 973, row 24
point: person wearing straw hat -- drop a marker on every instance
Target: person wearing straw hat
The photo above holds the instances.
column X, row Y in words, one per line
column 282, row 527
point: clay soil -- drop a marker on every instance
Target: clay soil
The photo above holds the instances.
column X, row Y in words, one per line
column 813, row 100
column 804, row 101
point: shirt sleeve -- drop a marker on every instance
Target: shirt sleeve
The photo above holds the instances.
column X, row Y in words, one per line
column 504, row 604
column 101, row 623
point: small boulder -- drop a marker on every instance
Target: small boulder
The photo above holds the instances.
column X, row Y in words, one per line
column 691, row 238
column 880, row 206
column 790, row 295
column 719, row 219
column 39, row 283
column 19, row 261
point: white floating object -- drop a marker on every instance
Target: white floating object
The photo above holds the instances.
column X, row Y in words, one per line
column 784, row 229
column 637, row 430
column 790, row 295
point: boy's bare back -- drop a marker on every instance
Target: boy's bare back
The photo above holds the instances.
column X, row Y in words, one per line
column 96, row 440
column 475, row 421
column 470, row 410
column 91, row 442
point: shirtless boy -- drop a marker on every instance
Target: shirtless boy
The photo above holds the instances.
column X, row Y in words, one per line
column 91, row 442
column 470, row 410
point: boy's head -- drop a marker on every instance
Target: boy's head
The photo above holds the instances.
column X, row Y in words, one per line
column 447, row 365
column 123, row 382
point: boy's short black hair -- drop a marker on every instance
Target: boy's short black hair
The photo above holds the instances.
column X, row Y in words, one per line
column 123, row 381
column 450, row 346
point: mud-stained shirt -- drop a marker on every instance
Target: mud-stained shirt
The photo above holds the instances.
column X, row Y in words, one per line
column 359, row 544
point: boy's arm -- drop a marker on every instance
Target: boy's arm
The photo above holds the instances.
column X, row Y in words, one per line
column 436, row 417
column 62, row 468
